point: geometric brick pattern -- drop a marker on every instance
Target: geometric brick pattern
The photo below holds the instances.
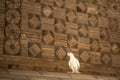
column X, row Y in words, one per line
column 105, row 47
column 84, row 43
column 13, row 4
column 113, row 24
column 59, row 13
column 48, row 38
column 72, row 28
column 53, row 26
column 82, row 18
column 115, row 48
column 84, row 56
column 95, row 58
column 103, row 22
column 60, row 26
column 94, row 33
column 81, row 6
column 72, row 41
column 71, row 4
column 95, row 45
column 83, row 31
column 71, row 16
column 12, row 30
column 93, row 20
column 59, row 3
column 35, row 50
column 103, row 34
column 12, row 27
column 12, row 47
column 115, row 61
column 47, row 11
column 61, row 53
column 102, row 11
column 34, row 22
column 13, row 16
column 92, row 9
column 106, row 58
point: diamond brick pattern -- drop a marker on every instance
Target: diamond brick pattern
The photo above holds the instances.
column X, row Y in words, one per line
column 84, row 56
column 34, row 22
column 35, row 50
column 93, row 20
column 113, row 25
column 59, row 3
column 48, row 38
column 71, row 16
column 95, row 45
column 81, row 6
column 102, row 11
column 103, row 34
column 115, row 48
column 72, row 41
column 61, row 53
column 106, row 58
column 47, row 11
column 60, row 27
column 83, row 31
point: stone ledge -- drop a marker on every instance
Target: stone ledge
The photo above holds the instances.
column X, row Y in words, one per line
column 15, row 74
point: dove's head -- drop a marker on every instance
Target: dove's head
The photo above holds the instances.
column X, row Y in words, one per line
column 70, row 54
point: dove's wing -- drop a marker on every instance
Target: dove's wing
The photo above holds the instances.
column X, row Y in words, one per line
column 77, row 62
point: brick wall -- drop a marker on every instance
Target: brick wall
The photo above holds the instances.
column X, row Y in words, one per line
column 37, row 34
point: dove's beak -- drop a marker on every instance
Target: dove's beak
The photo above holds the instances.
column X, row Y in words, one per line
column 68, row 57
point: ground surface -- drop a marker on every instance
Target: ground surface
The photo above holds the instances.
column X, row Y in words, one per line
column 13, row 74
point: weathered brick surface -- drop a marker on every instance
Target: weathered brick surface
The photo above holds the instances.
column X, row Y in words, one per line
column 43, row 75
column 38, row 34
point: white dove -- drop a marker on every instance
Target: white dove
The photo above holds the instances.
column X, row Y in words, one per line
column 73, row 63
